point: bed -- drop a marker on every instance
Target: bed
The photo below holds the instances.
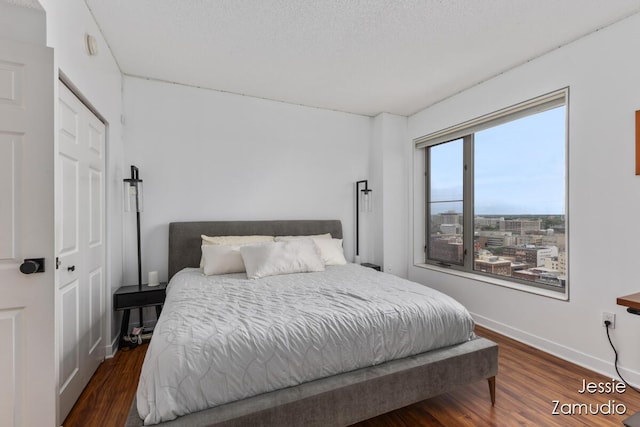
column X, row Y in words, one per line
column 332, row 384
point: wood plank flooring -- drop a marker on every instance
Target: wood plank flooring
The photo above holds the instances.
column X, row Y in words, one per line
column 106, row 400
column 528, row 382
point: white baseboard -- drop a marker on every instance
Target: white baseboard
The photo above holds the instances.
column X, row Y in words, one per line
column 604, row 367
column 110, row 350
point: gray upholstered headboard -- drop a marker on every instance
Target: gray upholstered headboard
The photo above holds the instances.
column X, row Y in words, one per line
column 185, row 241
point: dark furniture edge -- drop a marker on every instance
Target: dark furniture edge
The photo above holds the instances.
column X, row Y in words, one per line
column 354, row 396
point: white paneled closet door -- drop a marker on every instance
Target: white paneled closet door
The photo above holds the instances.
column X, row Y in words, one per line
column 80, row 245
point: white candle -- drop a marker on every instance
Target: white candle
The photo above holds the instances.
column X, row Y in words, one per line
column 153, row 278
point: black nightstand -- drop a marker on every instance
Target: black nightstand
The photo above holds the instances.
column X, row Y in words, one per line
column 374, row 266
column 128, row 297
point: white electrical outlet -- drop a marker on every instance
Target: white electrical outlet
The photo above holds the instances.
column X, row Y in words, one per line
column 611, row 317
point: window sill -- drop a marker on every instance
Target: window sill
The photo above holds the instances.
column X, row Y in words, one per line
column 563, row 296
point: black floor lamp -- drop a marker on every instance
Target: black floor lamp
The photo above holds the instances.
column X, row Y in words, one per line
column 363, row 204
column 133, row 198
column 133, row 202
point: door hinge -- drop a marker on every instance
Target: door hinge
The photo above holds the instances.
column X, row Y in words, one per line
column 58, row 263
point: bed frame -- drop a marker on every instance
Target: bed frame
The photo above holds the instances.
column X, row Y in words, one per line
column 338, row 400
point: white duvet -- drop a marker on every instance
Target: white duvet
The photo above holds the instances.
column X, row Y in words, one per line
column 225, row 338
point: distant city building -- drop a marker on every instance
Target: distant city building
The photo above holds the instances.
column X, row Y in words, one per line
column 450, row 217
column 556, row 239
column 551, row 263
column 483, row 254
column 526, row 275
column 527, row 239
column 558, row 263
column 487, row 222
column 493, row 265
column 512, row 265
column 520, row 248
column 520, row 226
column 541, row 275
column 517, row 265
column 562, row 263
column 445, row 248
column 450, row 229
column 494, row 239
column 533, row 255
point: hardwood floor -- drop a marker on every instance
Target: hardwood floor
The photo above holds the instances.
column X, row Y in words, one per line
column 528, row 382
column 106, row 400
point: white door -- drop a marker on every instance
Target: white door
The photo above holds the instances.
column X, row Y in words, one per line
column 80, row 235
column 27, row 301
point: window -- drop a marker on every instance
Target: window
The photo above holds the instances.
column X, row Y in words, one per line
column 496, row 192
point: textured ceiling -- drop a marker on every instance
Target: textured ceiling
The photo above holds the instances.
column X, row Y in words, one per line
column 31, row 4
column 360, row 56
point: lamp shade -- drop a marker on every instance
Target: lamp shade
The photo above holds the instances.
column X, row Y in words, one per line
column 365, row 200
column 133, row 194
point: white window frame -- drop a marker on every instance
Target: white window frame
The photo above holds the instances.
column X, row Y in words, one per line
column 527, row 108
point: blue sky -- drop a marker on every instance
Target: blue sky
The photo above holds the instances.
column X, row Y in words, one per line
column 519, row 168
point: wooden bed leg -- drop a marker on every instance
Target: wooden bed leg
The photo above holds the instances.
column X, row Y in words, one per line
column 492, row 389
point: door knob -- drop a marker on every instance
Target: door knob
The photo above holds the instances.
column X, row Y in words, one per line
column 32, row 265
column 71, row 268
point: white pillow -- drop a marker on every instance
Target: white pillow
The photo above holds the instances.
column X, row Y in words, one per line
column 331, row 251
column 270, row 259
column 315, row 236
column 232, row 240
column 221, row 259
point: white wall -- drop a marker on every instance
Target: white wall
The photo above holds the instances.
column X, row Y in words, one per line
column 604, row 199
column 23, row 24
column 390, row 161
column 98, row 79
column 208, row 155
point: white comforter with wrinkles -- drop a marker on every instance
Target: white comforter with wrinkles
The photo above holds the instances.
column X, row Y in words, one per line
column 225, row 338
